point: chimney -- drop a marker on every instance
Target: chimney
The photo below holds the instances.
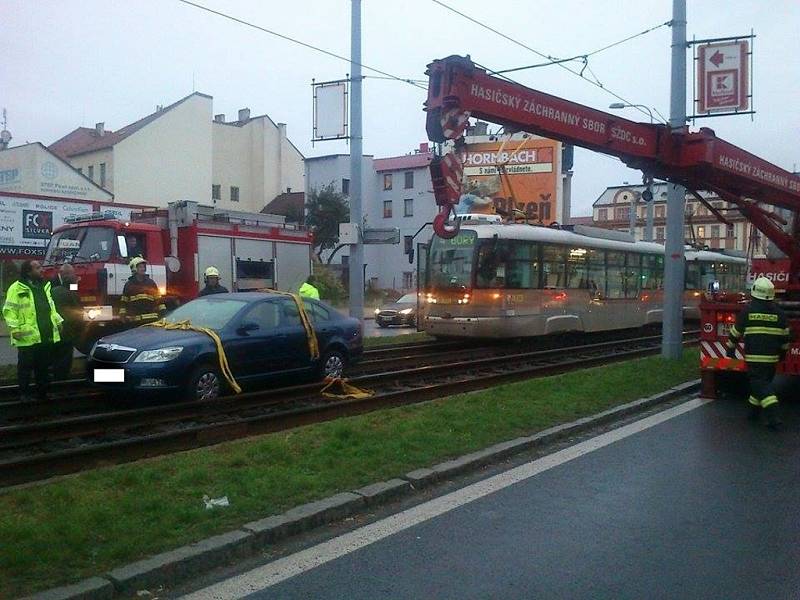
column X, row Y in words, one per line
column 424, row 148
column 244, row 115
column 100, row 129
column 220, row 118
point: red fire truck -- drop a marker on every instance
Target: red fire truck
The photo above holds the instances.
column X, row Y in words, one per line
column 251, row 251
column 458, row 90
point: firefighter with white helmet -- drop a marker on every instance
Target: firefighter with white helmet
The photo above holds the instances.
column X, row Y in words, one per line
column 765, row 331
column 211, row 279
column 141, row 300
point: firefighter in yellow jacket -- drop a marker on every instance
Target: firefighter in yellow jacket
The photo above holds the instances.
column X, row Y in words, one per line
column 33, row 326
column 765, row 331
column 141, row 300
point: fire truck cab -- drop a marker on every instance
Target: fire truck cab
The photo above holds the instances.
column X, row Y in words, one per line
column 251, row 250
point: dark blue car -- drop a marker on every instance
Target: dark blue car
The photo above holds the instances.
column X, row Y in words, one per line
column 262, row 336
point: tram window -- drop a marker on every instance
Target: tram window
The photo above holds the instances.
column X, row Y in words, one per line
column 693, row 276
column 633, row 268
column 577, row 269
column 615, row 274
column 596, row 273
column 553, row 266
column 451, row 260
column 652, row 271
column 522, row 266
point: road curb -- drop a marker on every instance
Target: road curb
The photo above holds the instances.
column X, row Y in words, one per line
column 220, row 550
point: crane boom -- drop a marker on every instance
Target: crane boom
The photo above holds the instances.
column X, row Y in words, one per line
column 458, row 90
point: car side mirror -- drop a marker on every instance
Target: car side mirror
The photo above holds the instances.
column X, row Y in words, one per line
column 245, row 328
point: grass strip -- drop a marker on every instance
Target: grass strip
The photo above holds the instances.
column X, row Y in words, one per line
column 392, row 340
column 91, row 522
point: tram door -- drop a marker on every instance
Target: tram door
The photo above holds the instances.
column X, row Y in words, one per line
column 423, row 269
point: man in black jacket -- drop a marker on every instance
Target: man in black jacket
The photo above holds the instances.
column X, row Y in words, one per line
column 211, row 277
column 141, row 300
column 765, row 330
column 68, row 305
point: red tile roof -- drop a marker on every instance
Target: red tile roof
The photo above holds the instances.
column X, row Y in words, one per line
column 86, row 139
column 288, row 204
column 399, row 163
column 581, row 221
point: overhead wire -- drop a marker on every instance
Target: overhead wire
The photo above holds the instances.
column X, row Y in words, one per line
column 553, row 60
column 299, row 42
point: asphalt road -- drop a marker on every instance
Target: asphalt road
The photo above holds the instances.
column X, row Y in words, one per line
column 700, row 505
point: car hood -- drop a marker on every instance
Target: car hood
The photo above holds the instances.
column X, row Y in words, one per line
column 151, row 338
column 398, row 306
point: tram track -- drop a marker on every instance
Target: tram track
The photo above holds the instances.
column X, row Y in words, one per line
column 34, row 451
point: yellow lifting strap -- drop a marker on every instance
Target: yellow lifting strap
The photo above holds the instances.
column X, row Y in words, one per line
column 338, row 388
column 223, row 359
column 313, row 344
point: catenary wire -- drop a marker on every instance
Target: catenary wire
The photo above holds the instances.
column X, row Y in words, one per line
column 299, row 42
column 553, row 59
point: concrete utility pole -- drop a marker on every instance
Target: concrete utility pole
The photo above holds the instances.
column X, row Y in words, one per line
column 356, row 264
column 671, row 346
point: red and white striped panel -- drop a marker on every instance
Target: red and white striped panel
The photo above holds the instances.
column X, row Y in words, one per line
column 718, row 350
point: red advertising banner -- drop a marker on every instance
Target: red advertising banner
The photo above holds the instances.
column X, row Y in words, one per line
column 722, row 77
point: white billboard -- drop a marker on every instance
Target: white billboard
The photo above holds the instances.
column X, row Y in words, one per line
column 330, row 110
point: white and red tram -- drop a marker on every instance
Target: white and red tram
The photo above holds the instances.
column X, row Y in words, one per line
column 496, row 280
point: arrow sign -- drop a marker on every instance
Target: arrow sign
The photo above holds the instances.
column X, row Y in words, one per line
column 717, row 58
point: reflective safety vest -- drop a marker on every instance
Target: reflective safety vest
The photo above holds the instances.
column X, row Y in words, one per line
column 19, row 312
column 141, row 300
column 765, row 331
column 309, row 291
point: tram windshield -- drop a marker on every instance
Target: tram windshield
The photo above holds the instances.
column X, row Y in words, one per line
column 80, row 244
column 451, row 260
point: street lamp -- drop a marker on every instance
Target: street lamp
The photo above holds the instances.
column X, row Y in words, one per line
column 648, row 195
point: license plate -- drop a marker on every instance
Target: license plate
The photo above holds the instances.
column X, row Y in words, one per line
column 109, row 375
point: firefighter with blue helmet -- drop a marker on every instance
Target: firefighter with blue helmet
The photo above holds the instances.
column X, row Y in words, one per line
column 765, row 331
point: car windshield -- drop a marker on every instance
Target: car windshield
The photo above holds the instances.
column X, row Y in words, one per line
column 80, row 244
column 407, row 299
column 214, row 313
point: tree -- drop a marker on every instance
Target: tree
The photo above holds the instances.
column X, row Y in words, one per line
column 325, row 209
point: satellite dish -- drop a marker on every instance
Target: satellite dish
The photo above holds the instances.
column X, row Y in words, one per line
column 5, row 136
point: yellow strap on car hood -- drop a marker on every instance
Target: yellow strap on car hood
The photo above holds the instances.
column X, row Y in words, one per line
column 223, row 359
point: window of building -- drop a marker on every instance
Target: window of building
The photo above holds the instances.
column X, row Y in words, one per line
column 621, row 213
column 90, row 171
column 602, row 214
column 701, row 232
column 715, row 231
column 346, row 187
column 730, row 230
column 387, row 209
column 408, row 279
column 408, row 244
column 387, row 181
column 409, row 180
column 216, row 192
column 659, row 234
column 408, row 207
column 660, row 211
column 717, row 205
column 234, row 193
column 102, row 174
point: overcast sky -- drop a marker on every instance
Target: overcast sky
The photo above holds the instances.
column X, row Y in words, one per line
column 67, row 63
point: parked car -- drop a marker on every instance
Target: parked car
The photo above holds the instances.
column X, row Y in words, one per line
column 261, row 333
column 401, row 312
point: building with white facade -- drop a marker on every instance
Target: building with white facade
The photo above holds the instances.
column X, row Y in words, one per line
column 185, row 152
column 33, row 169
column 612, row 211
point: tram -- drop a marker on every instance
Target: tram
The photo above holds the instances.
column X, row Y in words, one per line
column 496, row 280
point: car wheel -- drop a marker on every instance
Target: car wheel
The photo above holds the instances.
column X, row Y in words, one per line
column 205, row 383
column 333, row 364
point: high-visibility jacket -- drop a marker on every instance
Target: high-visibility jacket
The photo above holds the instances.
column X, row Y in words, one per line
column 141, row 300
column 309, row 291
column 765, row 331
column 19, row 312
